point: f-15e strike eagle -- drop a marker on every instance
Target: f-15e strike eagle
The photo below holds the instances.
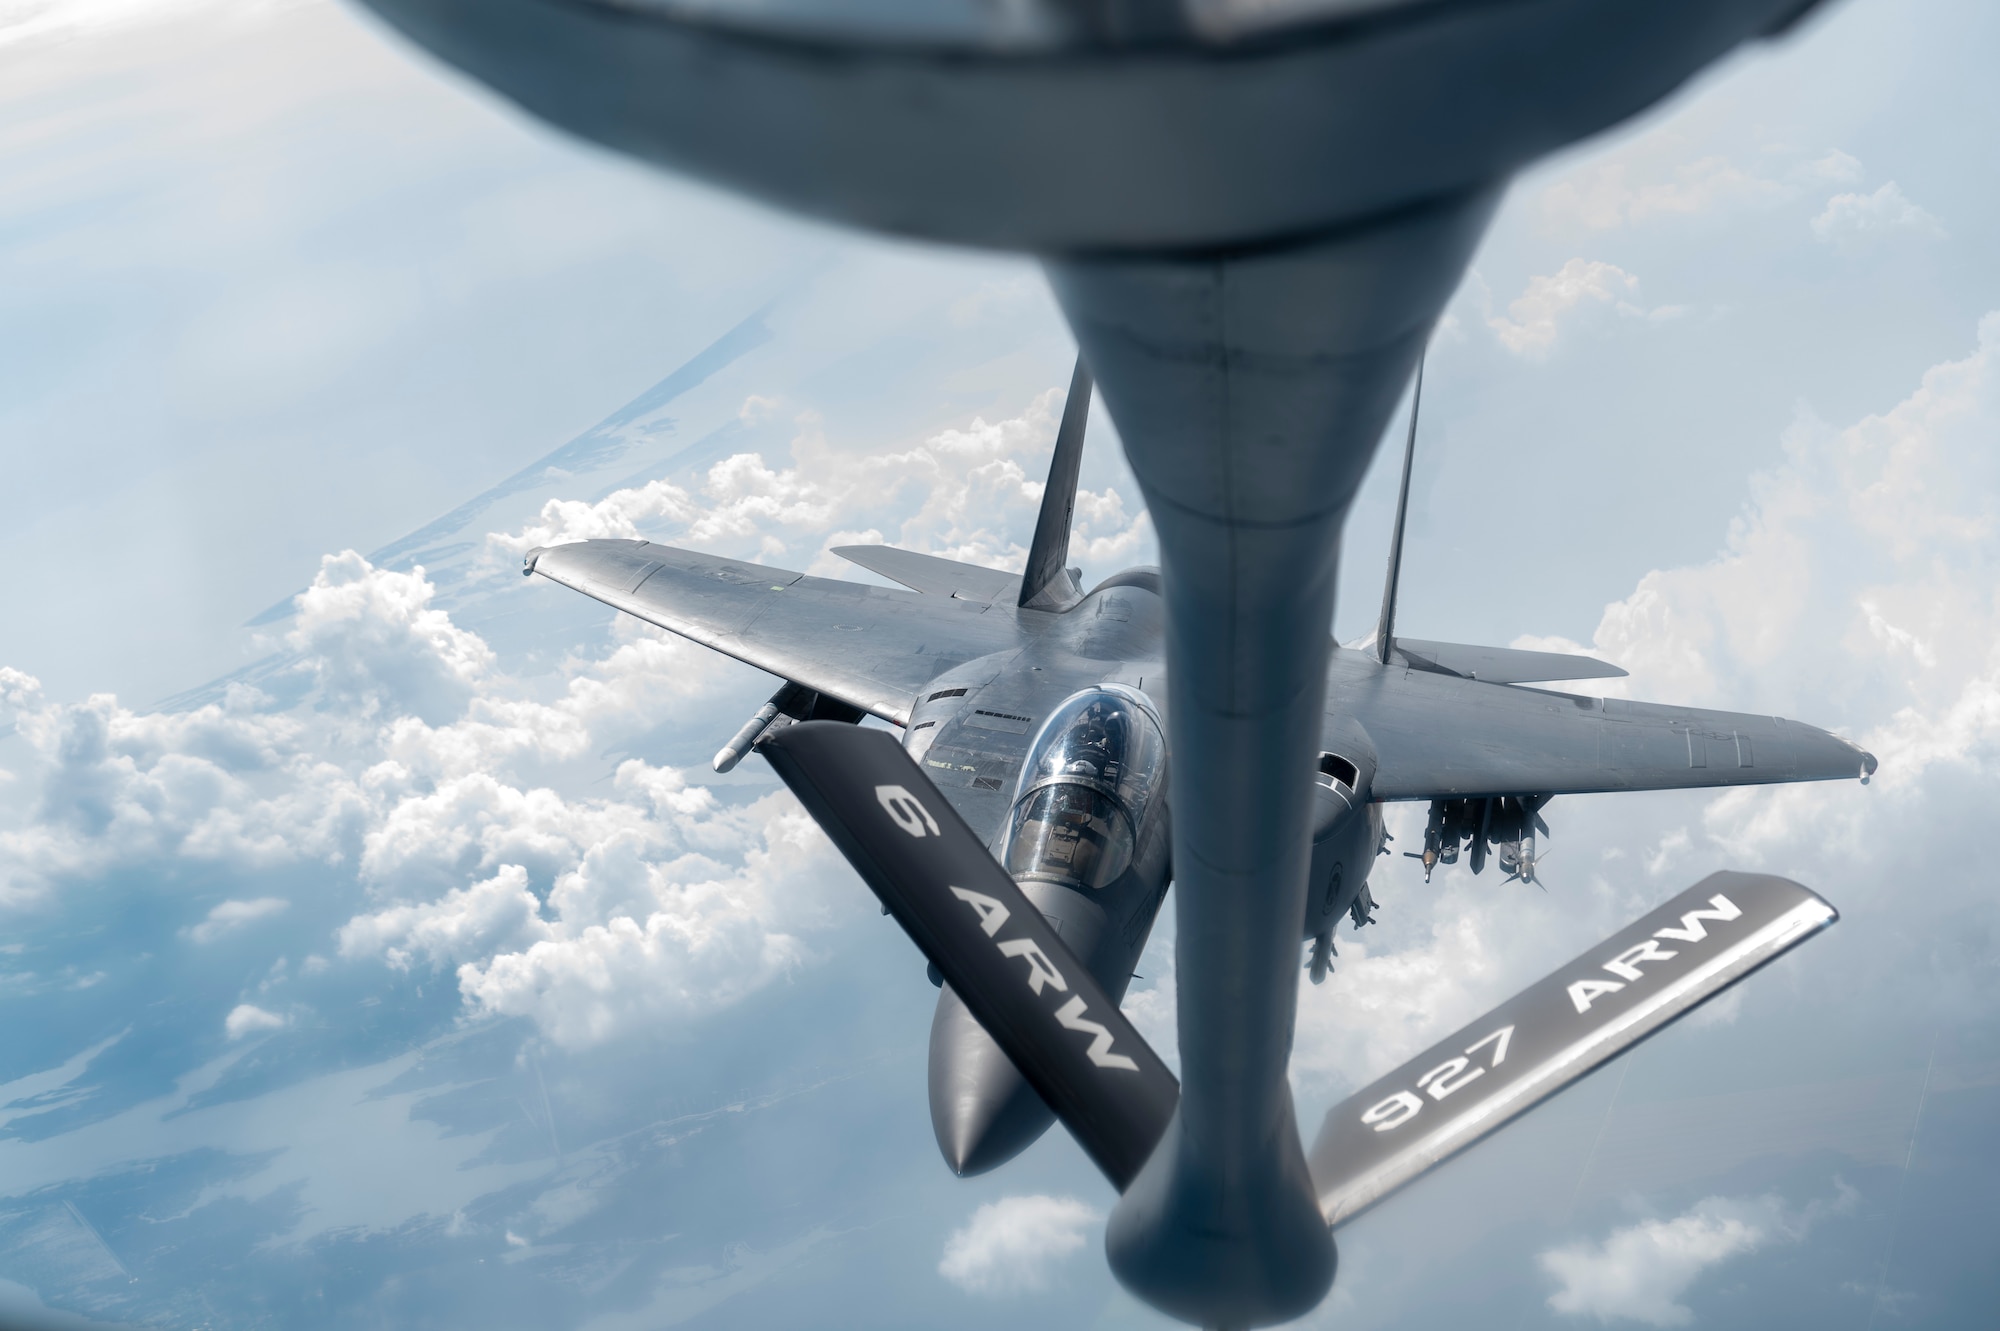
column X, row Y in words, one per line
column 1033, row 710
column 1252, row 213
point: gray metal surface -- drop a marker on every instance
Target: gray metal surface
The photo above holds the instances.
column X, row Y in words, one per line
column 974, row 680
column 1438, row 735
column 1015, row 972
column 1092, row 145
column 1385, row 623
column 1046, row 584
column 873, row 647
column 1256, row 213
column 1250, row 391
column 1086, row 838
column 1555, row 1032
column 1497, row 665
column 1427, row 734
column 932, row 575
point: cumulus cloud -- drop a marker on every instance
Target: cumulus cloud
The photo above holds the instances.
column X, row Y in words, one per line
column 246, row 1019
column 465, row 922
column 408, row 768
column 1013, row 1246
column 1850, row 221
column 461, row 803
column 1867, row 554
column 377, row 644
column 641, row 929
column 970, row 492
column 230, row 782
column 1640, row 1272
column 618, row 516
column 229, row 916
column 1534, row 318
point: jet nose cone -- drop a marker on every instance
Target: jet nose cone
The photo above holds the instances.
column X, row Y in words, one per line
column 982, row 1111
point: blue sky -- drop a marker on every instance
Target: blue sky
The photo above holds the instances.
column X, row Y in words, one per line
column 411, row 967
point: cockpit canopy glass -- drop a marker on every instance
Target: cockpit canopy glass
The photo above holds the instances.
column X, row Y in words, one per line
column 1090, row 776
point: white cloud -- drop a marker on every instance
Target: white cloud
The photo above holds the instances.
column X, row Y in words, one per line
column 1605, row 196
column 464, row 805
column 229, row 916
column 1013, row 1245
column 617, row 516
column 379, row 647
column 1640, row 1272
column 642, row 941
column 1856, row 590
column 465, row 922
column 1533, row 318
column 117, row 787
column 969, row 493
column 1851, row 220
column 245, row 1019
column 1864, row 563
column 659, row 900
column 1635, row 185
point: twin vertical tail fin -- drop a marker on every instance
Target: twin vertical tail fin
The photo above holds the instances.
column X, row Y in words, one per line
column 1385, row 628
column 1047, row 584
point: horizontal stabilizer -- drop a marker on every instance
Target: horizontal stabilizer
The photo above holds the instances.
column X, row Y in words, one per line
column 931, row 573
column 1498, row 665
column 1554, row 1032
column 997, row 952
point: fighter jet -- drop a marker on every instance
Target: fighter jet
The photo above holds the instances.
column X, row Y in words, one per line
column 1035, row 711
column 1252, row 215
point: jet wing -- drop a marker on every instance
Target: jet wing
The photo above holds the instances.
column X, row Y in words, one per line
column 1443, row 736
column 871, row 647
column 1497, row 665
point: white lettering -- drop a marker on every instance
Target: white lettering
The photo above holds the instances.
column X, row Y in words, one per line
column 907, row 810
column 1503, row 1035
column 1070, row 1015
column 1584, row 992
column 1040, row 972
column 1691, row 931
column 1393, row 1112
column 1626, row 964
column 1448, row 1076
column 991, row 913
